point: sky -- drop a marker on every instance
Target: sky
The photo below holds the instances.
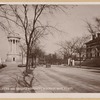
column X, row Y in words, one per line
column 71, row 23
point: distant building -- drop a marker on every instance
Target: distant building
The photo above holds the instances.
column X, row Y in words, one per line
column 14, row 52
column 93, row 47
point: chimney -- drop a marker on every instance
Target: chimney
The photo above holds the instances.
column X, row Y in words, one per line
column 98, row 34
column 93, row 36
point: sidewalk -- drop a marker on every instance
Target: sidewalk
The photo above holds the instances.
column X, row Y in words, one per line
column 8, row 77
column 77, row 66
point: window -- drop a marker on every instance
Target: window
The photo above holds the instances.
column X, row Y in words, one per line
column 13, row 41
column 13, row 59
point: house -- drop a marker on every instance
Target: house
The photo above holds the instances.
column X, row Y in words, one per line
column 93, row 47
column 93, row 52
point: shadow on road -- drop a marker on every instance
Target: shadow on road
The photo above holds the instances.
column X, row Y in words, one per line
column 96, row 71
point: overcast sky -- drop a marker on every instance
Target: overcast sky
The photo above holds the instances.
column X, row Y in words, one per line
column 72, row 23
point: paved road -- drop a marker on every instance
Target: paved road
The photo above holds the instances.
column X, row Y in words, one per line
column 57, row 79
column 68, row 80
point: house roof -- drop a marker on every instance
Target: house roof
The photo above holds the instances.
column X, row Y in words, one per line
column 93, row 41
column 13, row 35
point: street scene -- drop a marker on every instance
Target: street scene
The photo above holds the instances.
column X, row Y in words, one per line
column 57, row 79
column 49, row 48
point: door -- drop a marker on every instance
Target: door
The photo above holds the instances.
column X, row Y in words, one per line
column 14, row 59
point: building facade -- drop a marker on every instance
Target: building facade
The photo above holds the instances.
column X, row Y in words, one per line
column 14, row 52
column 93, row 47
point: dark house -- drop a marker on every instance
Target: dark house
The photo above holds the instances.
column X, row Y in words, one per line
column 93, row 47
column 93, row 51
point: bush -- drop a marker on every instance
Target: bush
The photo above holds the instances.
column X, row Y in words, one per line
column 3, row 65
column 48, row 65
column 94, row 62
column 21, row 65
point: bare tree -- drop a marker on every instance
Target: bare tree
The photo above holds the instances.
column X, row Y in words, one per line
column 80, row 47
column 23, row 51
column 68, row 47
column 75, row 46
column 27, row 20
column 95, row 27
column 19, row 15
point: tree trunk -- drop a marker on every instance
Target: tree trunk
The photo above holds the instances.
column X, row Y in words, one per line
column 35, row 62
column 32, row 62
column 27, row 59
column 22, row 58
column 80, row 59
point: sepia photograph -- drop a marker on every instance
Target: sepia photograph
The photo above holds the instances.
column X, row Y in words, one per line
column 49, row 48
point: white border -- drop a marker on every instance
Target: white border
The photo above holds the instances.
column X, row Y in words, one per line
column 55, row 3
column 51, row 95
